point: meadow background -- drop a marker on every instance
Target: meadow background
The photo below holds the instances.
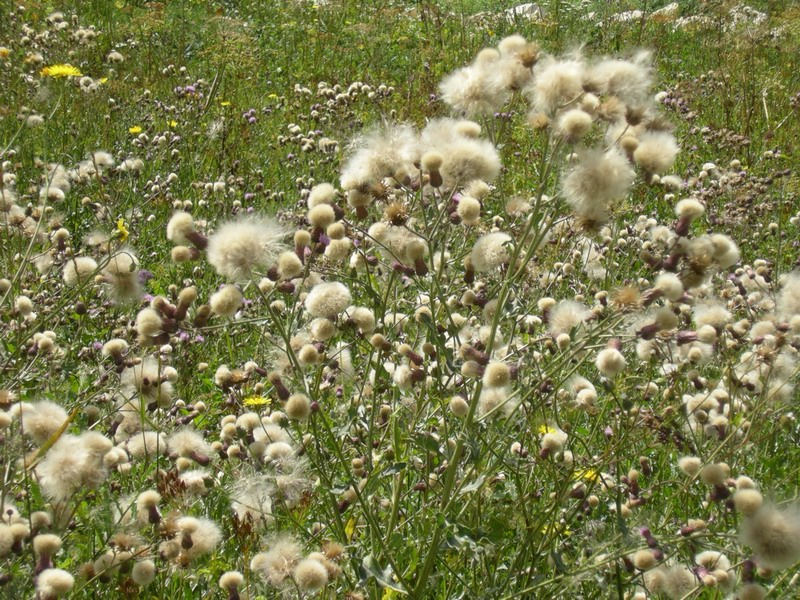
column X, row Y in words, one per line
column 224, row 109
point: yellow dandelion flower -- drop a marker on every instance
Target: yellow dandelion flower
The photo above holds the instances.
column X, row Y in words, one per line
column 102, row 80
column 135, row 129
column 4, row 52
column 173, row 123
column 225, row 103
column 545, row 429
column 60, row 71
column 256, row 400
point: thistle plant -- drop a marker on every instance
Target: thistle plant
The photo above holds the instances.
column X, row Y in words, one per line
column 450, row 356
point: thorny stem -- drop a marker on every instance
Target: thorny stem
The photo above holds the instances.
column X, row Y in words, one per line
column 546, row 164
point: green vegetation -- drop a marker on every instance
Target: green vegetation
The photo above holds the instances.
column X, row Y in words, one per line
column 437, row 377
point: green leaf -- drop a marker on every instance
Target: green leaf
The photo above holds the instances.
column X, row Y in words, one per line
column 371, row 568
column 395, row 468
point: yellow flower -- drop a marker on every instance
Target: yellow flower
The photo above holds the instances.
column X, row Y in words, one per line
column 135, row 129
column 559, row 528
column 544, row 429
column 173, row 123
column 4, row 52
column 224, row 103
column 122, row 231
column 590, row 475
column 350, row 528
column 256, row 400
column 102, row 80
column 60, row 71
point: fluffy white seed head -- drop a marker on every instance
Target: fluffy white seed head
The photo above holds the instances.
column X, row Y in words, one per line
column 491, row 251
column 714, row 473
column 79, row 269
column 321, row 215
column 239, row 249
column 143, row 572
column 46, row 544
column 556, row 83
column 180, row 225
column 53, row 583
column 459, row 406
column 656, row 151
column 469, row 210
column 226, row 301
column 610, row 362
column 322, row 193
column 748, row 501
column 297, row 407
column 644, row 559
column 327, row 299
column 774, row 535
column 310, row 576
column 669, row 285
column 597, row 179
column 497, row 374
column 573, row 124
column 689, row 208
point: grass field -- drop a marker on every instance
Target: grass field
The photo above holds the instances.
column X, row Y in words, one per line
column 441, row 299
